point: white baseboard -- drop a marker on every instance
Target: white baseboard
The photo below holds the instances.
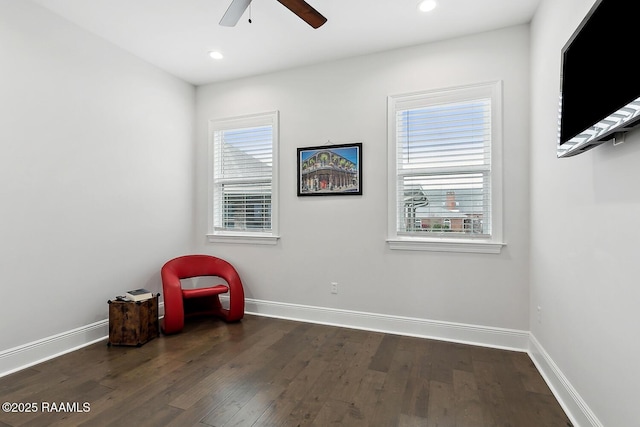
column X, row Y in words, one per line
column 24, row 356
column 30, row 354
column 508, row 339
column 574, row 406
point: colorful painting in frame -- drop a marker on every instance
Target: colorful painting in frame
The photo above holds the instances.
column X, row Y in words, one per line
column 330, row 170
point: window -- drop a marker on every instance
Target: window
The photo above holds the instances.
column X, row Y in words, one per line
column 243, row 184
column 445, row 170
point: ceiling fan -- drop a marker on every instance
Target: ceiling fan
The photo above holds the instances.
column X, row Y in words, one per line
column 300, row 7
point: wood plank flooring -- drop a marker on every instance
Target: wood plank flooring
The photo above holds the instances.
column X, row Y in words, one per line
column 271, row 372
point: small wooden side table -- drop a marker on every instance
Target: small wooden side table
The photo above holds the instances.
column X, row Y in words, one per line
column 133, row 323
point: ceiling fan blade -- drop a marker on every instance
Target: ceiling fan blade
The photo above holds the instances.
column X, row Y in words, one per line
column 307, row 13
column 234, row 12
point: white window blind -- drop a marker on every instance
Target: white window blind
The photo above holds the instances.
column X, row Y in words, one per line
column 441, row 149
column 243, row 174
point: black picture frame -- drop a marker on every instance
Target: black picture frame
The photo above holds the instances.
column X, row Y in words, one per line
column 330, row 170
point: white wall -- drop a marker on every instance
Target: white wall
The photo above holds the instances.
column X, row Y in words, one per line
column 584, row 240
column 96, row 174
column 343, row 238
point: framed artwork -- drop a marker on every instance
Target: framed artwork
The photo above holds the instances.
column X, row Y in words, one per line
column 330, row 170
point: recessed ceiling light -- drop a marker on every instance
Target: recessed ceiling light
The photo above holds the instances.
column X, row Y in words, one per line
column 216, row 55
column 427, row 5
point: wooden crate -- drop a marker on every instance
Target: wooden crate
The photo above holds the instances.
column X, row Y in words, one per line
column 133, row 323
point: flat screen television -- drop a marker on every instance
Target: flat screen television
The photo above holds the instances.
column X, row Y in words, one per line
column 600, row 80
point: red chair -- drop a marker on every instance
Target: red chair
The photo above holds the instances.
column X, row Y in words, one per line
column 180, row 303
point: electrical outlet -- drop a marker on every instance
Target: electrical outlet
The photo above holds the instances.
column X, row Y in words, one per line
column 334, row 287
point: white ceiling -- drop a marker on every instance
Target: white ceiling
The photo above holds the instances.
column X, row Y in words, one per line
column 176, row 35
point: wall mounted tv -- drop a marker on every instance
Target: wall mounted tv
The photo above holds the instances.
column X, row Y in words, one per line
column 600, row 83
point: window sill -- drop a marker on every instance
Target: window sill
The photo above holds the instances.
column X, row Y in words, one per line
column 244, row 239
column 451, row 245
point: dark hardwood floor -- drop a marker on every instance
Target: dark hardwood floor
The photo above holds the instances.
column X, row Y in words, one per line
column 270, row 372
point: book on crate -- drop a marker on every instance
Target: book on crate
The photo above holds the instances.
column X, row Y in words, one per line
column 138, row 295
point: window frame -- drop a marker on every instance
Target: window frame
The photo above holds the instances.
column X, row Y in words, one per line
column 244, row 236
column 491, row 243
